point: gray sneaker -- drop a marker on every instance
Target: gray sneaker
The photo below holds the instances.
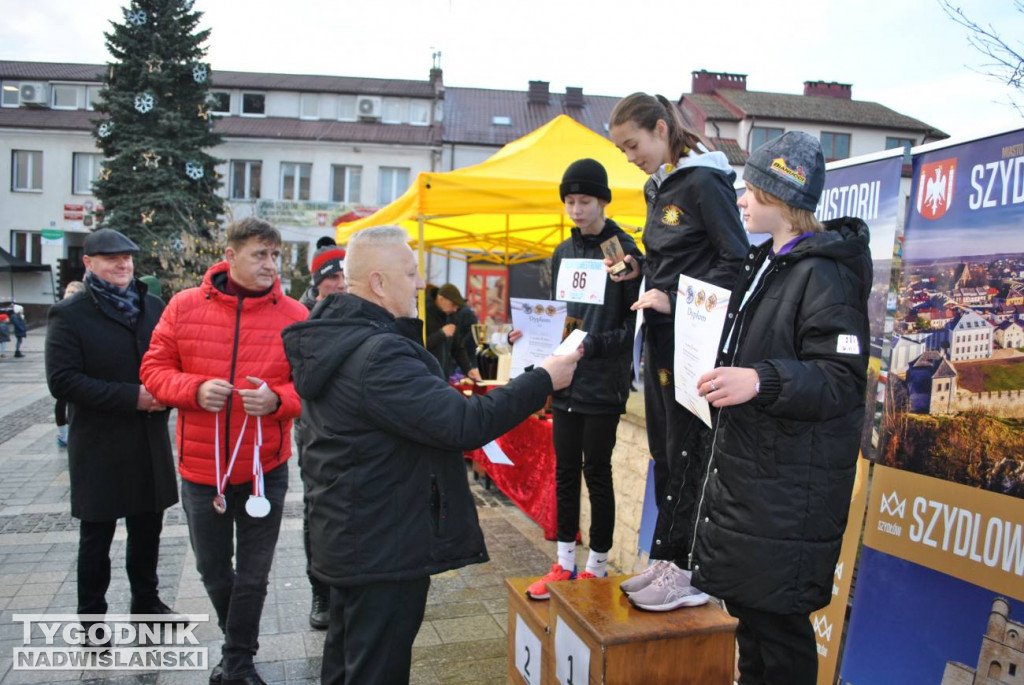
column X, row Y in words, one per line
column 671, row 590
column 644, row 578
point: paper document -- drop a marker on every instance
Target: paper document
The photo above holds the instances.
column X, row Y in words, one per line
column 700, row 317
column 541, row 323
column 570, row 344
column 496, row 454
column 638, row 336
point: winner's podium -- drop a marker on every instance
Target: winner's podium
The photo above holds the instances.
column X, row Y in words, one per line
column 594, row 635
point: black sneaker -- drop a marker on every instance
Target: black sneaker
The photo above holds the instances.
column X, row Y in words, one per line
column 217, row 674
column 320, row 612
column 160, row 612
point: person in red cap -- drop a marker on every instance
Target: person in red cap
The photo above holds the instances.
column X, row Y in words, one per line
column 328, row 270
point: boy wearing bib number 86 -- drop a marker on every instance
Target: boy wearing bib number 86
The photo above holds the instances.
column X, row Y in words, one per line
column 586, row 414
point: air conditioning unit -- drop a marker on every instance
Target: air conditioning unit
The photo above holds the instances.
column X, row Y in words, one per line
column 34, row 94
column 369, row 107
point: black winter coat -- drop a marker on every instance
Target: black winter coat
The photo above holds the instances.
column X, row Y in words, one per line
column 386, row 488
column 693, row 227
column 119, row 458
column 601, row 382
column 776, row 490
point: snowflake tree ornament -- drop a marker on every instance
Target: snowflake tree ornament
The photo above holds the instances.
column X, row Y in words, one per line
column 194, row 170
column 144, row 103
column 137, row 18
column 106, row 128
column 199, row 73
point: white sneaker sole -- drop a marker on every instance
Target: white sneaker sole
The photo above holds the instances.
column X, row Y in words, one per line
column 689, row 601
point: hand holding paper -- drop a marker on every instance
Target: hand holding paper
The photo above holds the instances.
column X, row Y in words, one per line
column 561, row 367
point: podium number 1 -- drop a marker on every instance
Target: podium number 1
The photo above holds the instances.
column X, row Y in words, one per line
column 570, row 653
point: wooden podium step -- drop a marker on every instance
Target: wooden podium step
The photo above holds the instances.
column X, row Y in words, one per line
column 529, row 638
column 596, row 636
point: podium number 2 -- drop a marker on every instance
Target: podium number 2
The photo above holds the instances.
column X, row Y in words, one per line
column 579, row 279
column 527, row 644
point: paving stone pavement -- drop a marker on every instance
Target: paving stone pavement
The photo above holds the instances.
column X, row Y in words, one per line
column 462, row 640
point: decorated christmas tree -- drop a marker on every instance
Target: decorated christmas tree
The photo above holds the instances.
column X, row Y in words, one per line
column 158, row 185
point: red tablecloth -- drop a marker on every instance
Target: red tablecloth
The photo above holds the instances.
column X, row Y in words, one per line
column 530, row 481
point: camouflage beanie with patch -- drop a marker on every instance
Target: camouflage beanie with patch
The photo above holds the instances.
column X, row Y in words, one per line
column 790, row 167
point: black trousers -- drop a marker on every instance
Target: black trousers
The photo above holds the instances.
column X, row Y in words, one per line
column 372, row 630
column 141, row 555
column 676, row 439
column 583, row 446
column 318, row 588
column 775, row 649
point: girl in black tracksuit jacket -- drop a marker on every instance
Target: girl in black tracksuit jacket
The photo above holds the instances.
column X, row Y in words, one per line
column 586, row 414
column 692, row 228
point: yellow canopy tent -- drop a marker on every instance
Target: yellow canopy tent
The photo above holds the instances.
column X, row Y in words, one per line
column 507, row 209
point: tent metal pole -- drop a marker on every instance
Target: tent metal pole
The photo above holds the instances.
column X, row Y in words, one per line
column 421, row 296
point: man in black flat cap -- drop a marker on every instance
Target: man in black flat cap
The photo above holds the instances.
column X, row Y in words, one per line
column 119, row 451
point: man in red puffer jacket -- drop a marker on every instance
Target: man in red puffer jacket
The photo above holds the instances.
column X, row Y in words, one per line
column 217, row 356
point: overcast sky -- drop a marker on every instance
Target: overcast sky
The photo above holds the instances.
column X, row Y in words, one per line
column 905, row 54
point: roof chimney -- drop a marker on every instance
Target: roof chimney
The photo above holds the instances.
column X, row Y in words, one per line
column 709, row 81
column 437, row 79
column 538, row 93
column 824, row 89
column 573, row 97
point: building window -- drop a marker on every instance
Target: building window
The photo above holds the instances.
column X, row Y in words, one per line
column 759, row 135
column 64, row 97
column 27, row 245
column 347, row 108
column 11, row 94
column 391, row 182
column 85, row 170
column 254, row 104
column 309, row 106
column 501, row 120
column 896, row 143
column 220, row 102
column 245, row 180
column 26, row 170
column 419, row 113
column 835, row 145
column 93, row 97
column 295, row 180
column 346, row 183
column 893, row 143
column 396, row 111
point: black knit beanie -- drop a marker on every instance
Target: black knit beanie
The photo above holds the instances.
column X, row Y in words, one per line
column 585, row 177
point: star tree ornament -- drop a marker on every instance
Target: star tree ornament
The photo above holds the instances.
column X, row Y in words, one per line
column 137, row 18
column 203, row 112
column 154, row 64
column 144, row 103
column 194, row 170
column 200, row 73
column 151, row 159
column 147, row 217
